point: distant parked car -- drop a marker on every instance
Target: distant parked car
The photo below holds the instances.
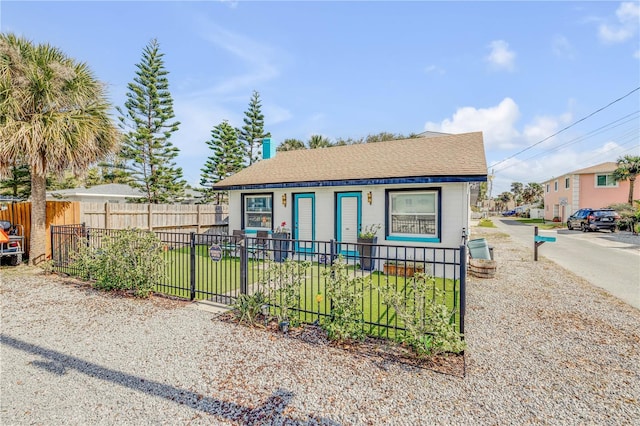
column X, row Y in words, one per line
column 509, row 213
column 594, row 220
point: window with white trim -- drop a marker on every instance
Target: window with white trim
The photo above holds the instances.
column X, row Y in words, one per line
column 413, row 214
column 548, row 188
column 605, row 180
column 567, row 183
column 555, row 186
column 258, row 211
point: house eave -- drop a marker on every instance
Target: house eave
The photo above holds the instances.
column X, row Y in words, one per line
column 356, row 182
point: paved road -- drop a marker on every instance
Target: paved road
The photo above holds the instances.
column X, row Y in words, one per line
column 609, row 261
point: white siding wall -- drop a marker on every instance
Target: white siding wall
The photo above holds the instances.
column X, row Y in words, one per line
column 455, row 214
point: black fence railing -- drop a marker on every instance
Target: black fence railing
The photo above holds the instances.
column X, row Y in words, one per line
column 222, row 267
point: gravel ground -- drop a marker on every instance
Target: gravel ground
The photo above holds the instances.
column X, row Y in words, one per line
column 544, row 347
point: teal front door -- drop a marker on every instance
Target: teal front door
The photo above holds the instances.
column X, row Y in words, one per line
column 348, row 221
column 304, row 222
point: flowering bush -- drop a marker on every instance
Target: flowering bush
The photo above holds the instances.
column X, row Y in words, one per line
column 282, row 227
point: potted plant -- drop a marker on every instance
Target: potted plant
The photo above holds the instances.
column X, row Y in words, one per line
column 402, row 268
column 281, row 242
column 366, row 246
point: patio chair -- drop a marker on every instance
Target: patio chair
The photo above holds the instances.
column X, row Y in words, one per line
column 259, row 245
column 232, row 245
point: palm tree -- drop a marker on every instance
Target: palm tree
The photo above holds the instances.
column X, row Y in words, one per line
column 291, row 145
column 532, row 192
column 628, row 169
column 53, row 117
column 318, row 141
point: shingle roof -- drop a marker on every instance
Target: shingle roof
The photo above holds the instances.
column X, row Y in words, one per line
column 448, row 155
column 109, row 189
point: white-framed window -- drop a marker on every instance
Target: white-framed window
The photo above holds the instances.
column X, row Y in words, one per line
column 567, row 183
column 548, row 188
column 258, row 211
column 605, row 180
column 555, row 186
column 413, row 215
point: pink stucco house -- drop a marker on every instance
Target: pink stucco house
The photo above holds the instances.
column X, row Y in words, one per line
column 591, row 187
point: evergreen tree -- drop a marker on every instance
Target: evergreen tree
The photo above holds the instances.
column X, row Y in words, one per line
column 227, row 159
column 253, row 130
column 148, row 124
column 18, row 182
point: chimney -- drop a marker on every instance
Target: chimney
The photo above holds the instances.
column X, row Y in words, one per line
column 268, row 149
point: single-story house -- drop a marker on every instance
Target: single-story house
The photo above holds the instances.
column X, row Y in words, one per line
column 591, row 187
column 107, row 193
column 417, row 190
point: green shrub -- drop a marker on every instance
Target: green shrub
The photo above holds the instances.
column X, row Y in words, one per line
column 345, row 292
column 487, row 223
column 247, row 307
column 429, row 325
column 129, row 260
column 282, row 283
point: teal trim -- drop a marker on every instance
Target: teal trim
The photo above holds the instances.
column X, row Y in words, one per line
column 415, row 239
column 296, row 198
column 339, row 197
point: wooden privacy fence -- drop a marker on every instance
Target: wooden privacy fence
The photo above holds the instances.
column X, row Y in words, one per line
column 160, row 217
column 58, row 213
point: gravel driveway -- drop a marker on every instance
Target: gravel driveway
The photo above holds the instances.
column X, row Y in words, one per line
column 544, row 347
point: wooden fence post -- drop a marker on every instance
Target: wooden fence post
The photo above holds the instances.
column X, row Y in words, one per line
column 107, row 215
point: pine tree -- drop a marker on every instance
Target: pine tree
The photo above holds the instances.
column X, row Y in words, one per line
column 227, row 159
column 148, row 125
column 253, row 130
column 18, row 182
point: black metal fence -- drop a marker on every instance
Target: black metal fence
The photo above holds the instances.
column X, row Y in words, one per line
column 222, row 267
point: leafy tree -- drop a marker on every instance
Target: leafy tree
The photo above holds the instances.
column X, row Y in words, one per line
column 318, row 141
column 291, row 145
column 503, row 200
column 516, row 190
column 148, row 117
column 18, row 183
column 532, row 192
column 54, row 116
column 628, row 169
column 227, row 159
column 253, row 132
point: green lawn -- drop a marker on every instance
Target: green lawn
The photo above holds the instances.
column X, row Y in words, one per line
column 223, row 277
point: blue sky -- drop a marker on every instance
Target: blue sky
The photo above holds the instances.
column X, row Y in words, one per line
column 517, row 71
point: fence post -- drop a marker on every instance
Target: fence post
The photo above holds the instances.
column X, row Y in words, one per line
column 52, row 230
column 243, row 267
column 192, row 264
column 463, row 285
column 85, row 230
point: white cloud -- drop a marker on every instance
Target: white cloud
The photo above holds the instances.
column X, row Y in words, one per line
column 628, row 12
column 434, row 69
column 562, row 47
column 258, row 57
column 544, row 126
column 497, row 123
column 636, row 54
column 275, row 114
column 628, row 16
column 558, row 163
column 501, row 58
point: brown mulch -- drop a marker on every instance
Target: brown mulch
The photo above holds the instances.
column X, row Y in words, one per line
column 381, row 352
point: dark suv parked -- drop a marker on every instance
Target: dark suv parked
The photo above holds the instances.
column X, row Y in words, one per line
column 594, row 220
